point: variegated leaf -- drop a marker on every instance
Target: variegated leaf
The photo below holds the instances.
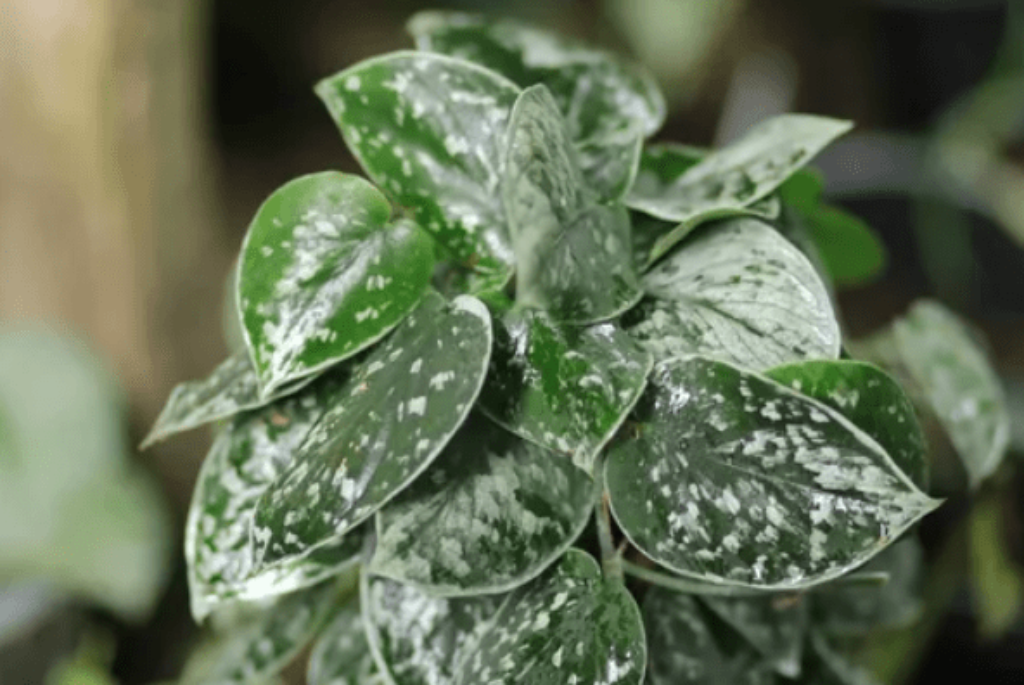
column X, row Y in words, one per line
column 323, row 275
column 730, row 477
column 397, row 411
column 565, row 388
column 741, row 293
column 490, row 514
column 740, row 174
column 572, row 252
column 341, row 655
column 774, row 625
column 429, row 130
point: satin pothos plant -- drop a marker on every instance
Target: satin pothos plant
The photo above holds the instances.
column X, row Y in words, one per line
column 574, row 403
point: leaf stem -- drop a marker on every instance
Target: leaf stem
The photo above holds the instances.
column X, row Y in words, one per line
column 611, row 558
column 690, row 587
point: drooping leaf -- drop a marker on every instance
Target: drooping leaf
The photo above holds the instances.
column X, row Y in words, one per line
column 871, row 400
column 609, row 105
column 245, row 459
column 740, row 174
column 490, row 514
column 341, row 655
column 741, row 293
column 232, row 388
column 565, row 388
column 730, row 477
column 774, row 625
column 429, row 130
column 393, row 417
column 324, row 274
column 572, row 252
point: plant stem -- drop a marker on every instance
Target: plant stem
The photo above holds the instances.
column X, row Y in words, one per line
column 611, row 559
column 690, row 587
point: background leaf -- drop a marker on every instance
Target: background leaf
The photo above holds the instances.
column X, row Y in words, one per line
column 341, row 655
column 775, row 625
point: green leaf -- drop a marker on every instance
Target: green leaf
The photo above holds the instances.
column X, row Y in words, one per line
column 774, row 625
column 429, row 130
column 395, row 414
column 490, row 514
column 609, row 105
column 851, row 251
column 732, row 478
column 740, row 174
column 245, row 459
column 232, row 388
column 997, row 579
column 953, row 374
column 341, row 655
column 565, row 388
column 324, row 275
column 825, row 666
column 572, row 253
column 737, row 292
column 871, row 400
column 803, row 190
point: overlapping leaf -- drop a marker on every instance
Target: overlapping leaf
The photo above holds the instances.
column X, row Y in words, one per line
column 774, row 625
column 741, row 293
column 324, row 274
column 740, row 174
column 429, row 130
column 565, row 388
column 342, row 655
column 572, row 252
column 609, row 105
column 491, row 513
column 730, row 477
column 394, row 415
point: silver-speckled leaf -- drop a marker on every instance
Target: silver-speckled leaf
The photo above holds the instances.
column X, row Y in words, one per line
column 568, row 626
column 609, row 104
column 400, row 407
column 572, row 252
column 232, row 388
column 341, row 655
column 429, row 130
column 245, row 459
column 730, row 477
column 324, row 274
column 740, row 174
column 954, row 376
column 565, row 388
column 490, row 514
column 871, row 399
column 774, row 625
column 417, row 639
column 741, row 293
column 684, row 650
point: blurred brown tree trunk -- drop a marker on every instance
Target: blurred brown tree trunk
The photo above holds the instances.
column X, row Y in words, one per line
column 105, row 186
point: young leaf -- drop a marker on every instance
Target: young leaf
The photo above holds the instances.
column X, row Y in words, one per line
column 341, row 655
column 245, row 459
column 565, row 388
column 429, row 129
column 490, row 514
column 609, row 105
column 851, row 251
column 738, row 175
column 323, row 275
column 741, row 293
column 572, row 253
column 871, row 400
column 395, row 414
column 774, row 625
column 733, row 478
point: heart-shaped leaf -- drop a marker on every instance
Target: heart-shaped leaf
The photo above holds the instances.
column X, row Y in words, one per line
column 341, row 655
column 245, row 459
column 490, row 514
column 572, row 253
column 609, row 105
column 733, row 478
column 774, row 625
column 395, row 414
column 323, row 275
column 741, row 293
column 565, row 388
column 869, row 398
column 736, row 176
column 429, row 130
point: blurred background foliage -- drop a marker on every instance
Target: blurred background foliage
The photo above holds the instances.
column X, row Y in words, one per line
column 137, row 138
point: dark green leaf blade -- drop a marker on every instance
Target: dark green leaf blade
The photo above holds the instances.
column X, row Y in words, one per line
column 565, row 388
column 341, row 655
column 852, row 252
column 775, row 625
column 395, row 414
column 871, row 400
column 491, row 513
column 741, row 293
column 733, row 478
column 572, row 252
column 429, row 129
column 324, row 275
